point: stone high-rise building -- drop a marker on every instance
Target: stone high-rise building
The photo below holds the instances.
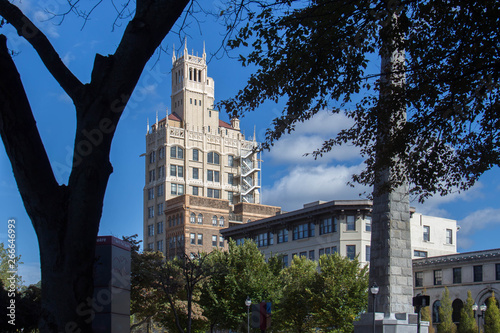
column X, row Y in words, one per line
column 201, row 172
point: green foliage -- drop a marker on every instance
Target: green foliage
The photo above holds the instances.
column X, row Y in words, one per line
column 425, row 313
column 445, row 314
column 492, row 316
column 318, row 55
column 467, row 318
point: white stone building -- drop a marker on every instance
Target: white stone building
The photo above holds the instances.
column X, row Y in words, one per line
column 342, row 226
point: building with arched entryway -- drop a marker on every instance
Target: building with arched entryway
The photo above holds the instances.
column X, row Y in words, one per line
column 478, row 272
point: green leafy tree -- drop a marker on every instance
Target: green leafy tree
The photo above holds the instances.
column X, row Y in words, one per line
column 319, row 55
column 66, row 216
column 445, row 314
column 296, row 309
column 243, row 273
column 467, row 318
column 425, row 313
column 341, row 292
column 9, row 264
column 492, row 316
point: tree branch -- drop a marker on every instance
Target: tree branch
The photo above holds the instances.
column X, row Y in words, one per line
column 25, row 28
column 22, row 141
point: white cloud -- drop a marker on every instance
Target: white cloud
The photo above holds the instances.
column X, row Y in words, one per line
column 308, row 137
column 43, row 22
column 67, row 58
column 307, row 184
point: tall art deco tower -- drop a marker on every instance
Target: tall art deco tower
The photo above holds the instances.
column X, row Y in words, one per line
column 201, row 173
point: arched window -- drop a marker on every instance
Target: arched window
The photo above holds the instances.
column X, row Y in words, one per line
column 221, row 221
column 192, row 218
column 176, row 152
column 213, row 158
column 200, row 219
column 435, row 311
column 169, row 222
column 457, row 306
column 214, row 220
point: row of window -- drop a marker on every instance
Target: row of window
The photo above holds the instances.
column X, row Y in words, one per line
column 178, row 153
column 193, row 218
column 427, row 235
column 306, row 230
column 179, row 189
column 457, row 275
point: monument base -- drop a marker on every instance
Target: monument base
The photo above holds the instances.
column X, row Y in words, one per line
column 390, row 323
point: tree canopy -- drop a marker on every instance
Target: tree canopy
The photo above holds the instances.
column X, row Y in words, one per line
column 325, row 55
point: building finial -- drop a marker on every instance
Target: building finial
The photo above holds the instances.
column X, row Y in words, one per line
column 157, row 119
column 254, row 134
column 173, row 54
column 147, row 126
column 204, row 54
column 185, row 47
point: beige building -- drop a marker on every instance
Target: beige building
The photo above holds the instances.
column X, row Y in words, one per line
column 193, row 153
column 478, row 272
column 342, row 226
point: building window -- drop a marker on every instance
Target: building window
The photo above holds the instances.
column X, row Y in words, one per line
column 161, row 172
column 449, row 236
column 230, row 179
column 195, row 190
column 161, row 189
column 213, row 176
column 159, row 245
column 497, row 272
column 152, row 176
column 351, row 251
column 213, row 193
column 284, row 260
column 214, row 220
column 457, row 275
column 151, row 193
column 195, row 173
column 200, row 219
column 214, row 240
column 303, row 231
column 176, row 171
column 326, row 226
column 262, row 239
column 230, row 197
column 151, row 246
column 221, row 221
column 368, row 223
column 435, row 311
column 351, row 222
column 160, row 227
column 420, row 254
column 230, row 160
column 160, row 209
column 334, row 249
column 192, row 238
column 427, row 233
column 161, row 153
column 321, row 252
column 221, row 241
column 419, row 279
column 283, row 236
column 213, row 158
column 192, row 218
column 200, row 239
column 176, row 152
column 176, row 189
column 478, row 273
column 195, row 154
column 438, row 277
column 151, row 212
column 151, row 230
column 152, row 157
column 303, row 254
column 367, row 253
column 311, row 255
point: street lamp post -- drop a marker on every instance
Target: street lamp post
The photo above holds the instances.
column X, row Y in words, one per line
column 374, row 289
column 482, row 308
column 474, row 308
column 248, row 302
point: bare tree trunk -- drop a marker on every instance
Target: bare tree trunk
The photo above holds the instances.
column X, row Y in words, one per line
column 66, row 218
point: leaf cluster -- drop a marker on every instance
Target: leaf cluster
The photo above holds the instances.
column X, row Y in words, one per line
column 320, row 54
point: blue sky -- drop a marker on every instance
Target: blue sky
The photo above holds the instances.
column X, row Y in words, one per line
column 289, row 179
